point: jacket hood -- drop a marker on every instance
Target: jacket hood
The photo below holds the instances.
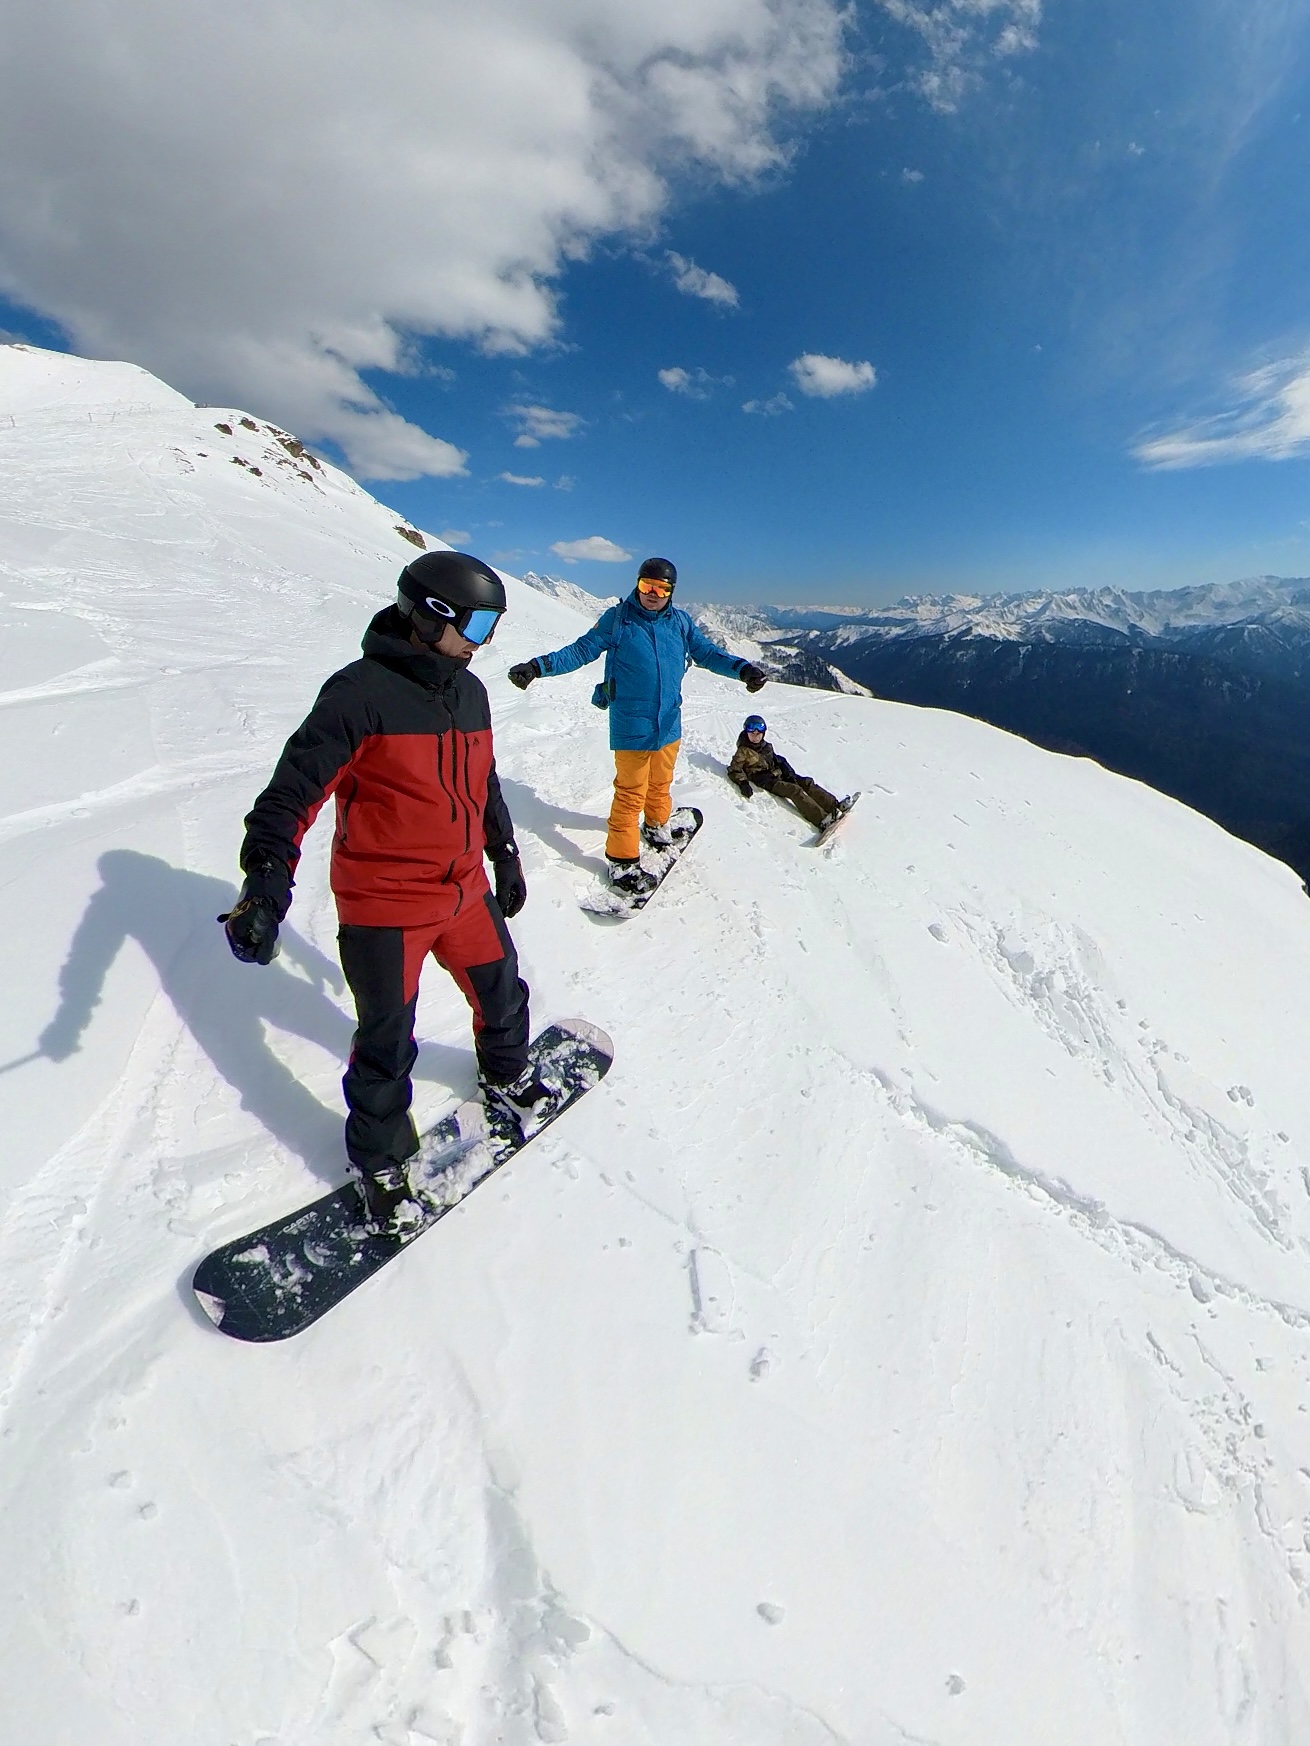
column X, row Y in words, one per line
column 387, row 640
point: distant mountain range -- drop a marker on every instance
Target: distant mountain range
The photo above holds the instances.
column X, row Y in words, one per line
column 1202, row 692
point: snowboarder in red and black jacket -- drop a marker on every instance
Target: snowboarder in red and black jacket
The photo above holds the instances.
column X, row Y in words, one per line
column 402, row 739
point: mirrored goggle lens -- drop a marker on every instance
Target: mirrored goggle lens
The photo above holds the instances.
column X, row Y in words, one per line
column 652, row 585
column 480, row 625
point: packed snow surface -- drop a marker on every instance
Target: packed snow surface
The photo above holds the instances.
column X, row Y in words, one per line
column 909, row 1342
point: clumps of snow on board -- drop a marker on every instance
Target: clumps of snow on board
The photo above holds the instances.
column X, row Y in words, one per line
column 601, row 898
column 914, row 1273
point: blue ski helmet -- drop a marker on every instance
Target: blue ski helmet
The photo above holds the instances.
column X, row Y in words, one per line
column 754, row 724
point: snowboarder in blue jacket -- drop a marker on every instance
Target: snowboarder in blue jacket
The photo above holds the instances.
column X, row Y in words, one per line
column 648, row 644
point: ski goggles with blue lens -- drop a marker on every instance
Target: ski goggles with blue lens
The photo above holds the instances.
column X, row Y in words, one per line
column 476, row 624
column 754, row 724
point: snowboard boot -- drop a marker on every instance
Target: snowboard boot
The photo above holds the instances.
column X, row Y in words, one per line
column 390, row 1209
column 630, row 878
column 525, row 1100
column 657, row 836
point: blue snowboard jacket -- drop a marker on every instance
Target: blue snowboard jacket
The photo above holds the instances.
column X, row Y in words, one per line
column 651, row 652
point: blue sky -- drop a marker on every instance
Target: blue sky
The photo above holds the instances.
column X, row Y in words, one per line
column 1053, row 285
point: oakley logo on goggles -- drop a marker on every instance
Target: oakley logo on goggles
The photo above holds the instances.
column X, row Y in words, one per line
column 476, row 624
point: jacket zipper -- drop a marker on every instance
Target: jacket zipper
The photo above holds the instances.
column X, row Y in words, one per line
column 346, row 805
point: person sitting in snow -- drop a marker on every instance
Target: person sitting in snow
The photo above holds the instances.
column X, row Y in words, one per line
column 755, row 764
column 648, row 644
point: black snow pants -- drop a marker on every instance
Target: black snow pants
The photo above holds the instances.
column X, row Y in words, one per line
column 382, row 967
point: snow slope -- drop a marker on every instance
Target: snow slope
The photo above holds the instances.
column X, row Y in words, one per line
column 908, row 1343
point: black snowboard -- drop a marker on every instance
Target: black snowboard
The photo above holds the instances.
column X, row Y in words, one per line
column 606, row 900
column 278, row 1280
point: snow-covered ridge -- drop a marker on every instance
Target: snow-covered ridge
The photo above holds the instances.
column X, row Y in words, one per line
column 571, row 593
column 908, row 1343
column 781, row 636
column 1039, row 613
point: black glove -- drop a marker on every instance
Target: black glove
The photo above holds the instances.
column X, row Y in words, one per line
column 251, row 929
column 750, row 676
column 511, row 886
column 251, row 924
column 524, row 674
column 745, row 790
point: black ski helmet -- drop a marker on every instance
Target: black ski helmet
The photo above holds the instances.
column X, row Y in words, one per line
column 659, row 570
column 754, row 724
column 456, row 588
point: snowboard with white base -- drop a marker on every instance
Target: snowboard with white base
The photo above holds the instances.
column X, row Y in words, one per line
column 607, row 899
column 843, row 813
column 276, row 1281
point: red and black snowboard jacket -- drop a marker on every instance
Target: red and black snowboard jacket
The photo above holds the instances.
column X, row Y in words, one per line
column 403, row 740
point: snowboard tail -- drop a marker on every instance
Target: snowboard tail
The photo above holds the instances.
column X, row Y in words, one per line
column 659, row 863
column 279, row 1279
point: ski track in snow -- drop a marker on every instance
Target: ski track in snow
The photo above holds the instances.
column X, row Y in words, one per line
column 908, row 1345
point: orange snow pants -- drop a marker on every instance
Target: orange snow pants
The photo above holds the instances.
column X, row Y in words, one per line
column 641, row 784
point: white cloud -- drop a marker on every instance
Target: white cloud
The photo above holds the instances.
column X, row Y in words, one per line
column 777, row 403
column 521, row 478
column 677, row 380
column 383, row 445
column 1270, row 422
column 696, row 282
column 822, row 377
column 911, row 175
column 455, row 536
column 595, row 550
column 543, row 423
column 263, row 206
column 695, row 384
column 961, row 36
column 565, row 482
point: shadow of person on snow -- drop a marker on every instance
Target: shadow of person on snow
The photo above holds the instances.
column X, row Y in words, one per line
column 170, row 912
column 549, row 823
column 706, row 761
